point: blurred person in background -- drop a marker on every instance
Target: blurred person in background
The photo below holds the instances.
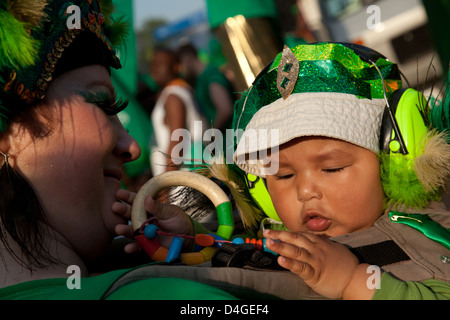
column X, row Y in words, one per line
column 213, row 91
column 175, row 108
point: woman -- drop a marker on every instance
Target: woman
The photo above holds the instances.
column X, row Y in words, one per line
column 62, row 148
column 76, row 166
column 68, row 148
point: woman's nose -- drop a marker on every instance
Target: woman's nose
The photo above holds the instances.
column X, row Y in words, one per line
column 127, row 148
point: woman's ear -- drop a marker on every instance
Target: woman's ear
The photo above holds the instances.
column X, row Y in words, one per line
column 12, row 140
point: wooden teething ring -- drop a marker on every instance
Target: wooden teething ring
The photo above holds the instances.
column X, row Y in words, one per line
column 180, row 178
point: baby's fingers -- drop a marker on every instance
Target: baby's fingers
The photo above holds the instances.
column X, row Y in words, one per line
column 289, row 251
column 295, row 239
column 302, row 269
column 294, row 255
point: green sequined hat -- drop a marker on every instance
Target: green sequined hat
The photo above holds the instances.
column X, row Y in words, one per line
column 40, row 39
column 323, row 89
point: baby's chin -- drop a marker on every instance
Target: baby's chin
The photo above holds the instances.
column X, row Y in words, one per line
column 337, row 231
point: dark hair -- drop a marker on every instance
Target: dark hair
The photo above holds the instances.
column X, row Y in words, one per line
column 171, row 53
column 187, row 49
column 22, row 219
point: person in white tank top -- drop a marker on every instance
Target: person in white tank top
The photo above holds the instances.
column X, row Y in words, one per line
column 175, row 109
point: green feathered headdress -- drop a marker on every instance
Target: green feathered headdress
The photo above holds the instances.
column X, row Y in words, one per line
column 34, row 37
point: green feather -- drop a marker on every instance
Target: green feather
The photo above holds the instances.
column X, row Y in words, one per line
column 401, row 184
column 17, row 48
column 440, row 112
column 116, row 29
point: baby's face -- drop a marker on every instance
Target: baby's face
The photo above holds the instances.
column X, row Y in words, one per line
column 326, row 186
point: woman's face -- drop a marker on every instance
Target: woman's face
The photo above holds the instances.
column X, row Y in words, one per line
column 326, row 186
column 76, row 169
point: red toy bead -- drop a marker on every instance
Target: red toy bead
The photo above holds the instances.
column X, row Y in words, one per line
column 152, row 247
column 258, row 244
column 204, row 240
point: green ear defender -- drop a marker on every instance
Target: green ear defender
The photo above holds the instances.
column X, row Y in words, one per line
column 258, row 190
column 405, row 104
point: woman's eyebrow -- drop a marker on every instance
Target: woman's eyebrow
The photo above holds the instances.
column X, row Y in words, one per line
column 97, row 83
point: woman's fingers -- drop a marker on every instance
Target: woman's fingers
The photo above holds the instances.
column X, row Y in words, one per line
column 131, row 248
column 122, row 209
column 123, row 205
column 124, row 230
column 125, row 196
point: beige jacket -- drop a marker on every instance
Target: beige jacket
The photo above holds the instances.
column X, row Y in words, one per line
column 425, row 259
column 421, row 259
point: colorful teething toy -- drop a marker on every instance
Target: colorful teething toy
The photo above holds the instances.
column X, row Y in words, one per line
column 150, row 243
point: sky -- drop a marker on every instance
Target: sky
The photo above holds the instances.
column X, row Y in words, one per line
column 171, row 10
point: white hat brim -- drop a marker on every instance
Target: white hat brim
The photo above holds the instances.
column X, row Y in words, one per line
column 335, row 115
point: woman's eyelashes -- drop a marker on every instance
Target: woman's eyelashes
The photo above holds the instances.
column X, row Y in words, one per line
column 109, row 104
column 115, row 106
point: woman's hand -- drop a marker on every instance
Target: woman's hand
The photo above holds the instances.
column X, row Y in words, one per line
column 327, row 267
column 169, row 218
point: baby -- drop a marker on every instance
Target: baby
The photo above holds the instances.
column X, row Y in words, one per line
column 328, row 105
column 342, row 157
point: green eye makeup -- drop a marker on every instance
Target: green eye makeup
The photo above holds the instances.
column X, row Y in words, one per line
column 105, row 101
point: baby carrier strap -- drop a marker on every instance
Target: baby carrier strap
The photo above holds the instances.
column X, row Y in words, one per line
column 380, row 254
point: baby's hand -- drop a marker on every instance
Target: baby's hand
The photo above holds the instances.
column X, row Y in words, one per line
column 169, row 218
column 327, row 267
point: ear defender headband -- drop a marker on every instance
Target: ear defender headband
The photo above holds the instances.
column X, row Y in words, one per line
column 413, row 150
column 258, row 191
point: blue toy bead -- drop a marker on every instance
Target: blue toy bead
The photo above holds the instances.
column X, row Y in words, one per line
column 175, row 249
column 268, row 250
column 150, row 231
column 238, row 240
column 216, row 237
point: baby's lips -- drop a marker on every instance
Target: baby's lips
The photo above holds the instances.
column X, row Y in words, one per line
column 318, row 224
